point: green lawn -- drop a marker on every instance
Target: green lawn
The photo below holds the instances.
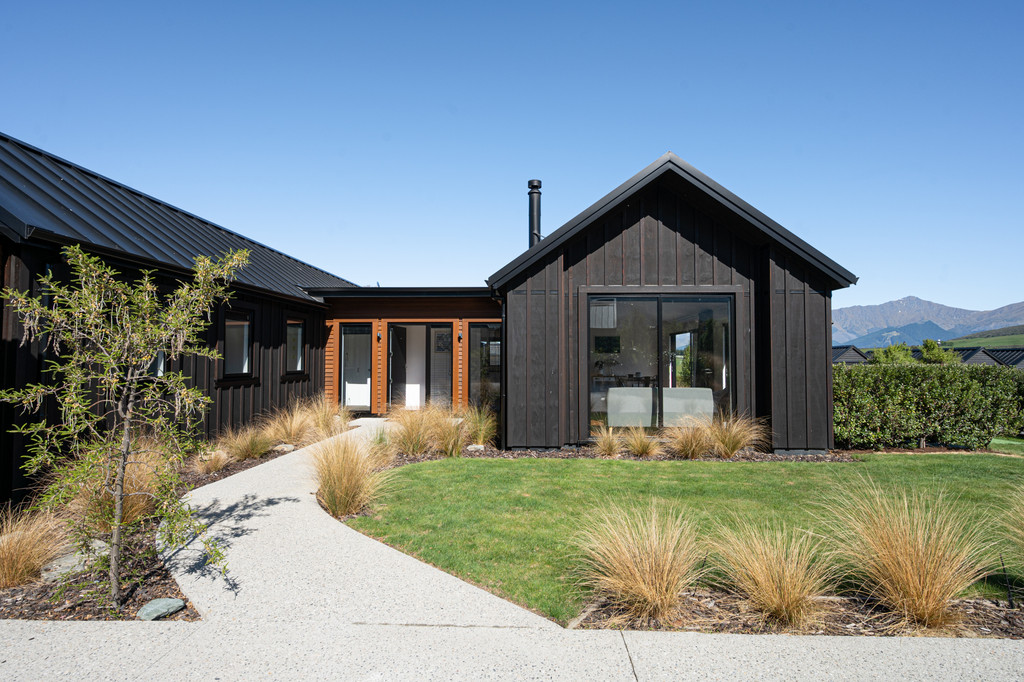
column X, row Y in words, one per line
column 987, row 342
column 1011, row 446
column 505, row 524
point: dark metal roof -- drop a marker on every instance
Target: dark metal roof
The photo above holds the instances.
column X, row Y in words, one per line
column 400, row 292
column 670, row 163
column 839, row 351
column 47, row 198
column 1008, row 356
column 973, row 355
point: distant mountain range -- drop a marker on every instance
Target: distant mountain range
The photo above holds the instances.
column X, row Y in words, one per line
column 911, row 320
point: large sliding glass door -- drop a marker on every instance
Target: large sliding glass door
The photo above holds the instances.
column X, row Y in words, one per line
column 657, row 360
column 419, row 364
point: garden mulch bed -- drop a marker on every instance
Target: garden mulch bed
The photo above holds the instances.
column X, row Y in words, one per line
column 709, row 610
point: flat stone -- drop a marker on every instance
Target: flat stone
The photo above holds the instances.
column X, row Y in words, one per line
column 158, row 608
column 72, row 562
column 283, row 448
column 475, row 448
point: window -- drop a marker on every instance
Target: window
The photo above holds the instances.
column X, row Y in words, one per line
column 485, row 364
column 659, row 360
column 159, row 364
column 294, row 357
column 236, row 342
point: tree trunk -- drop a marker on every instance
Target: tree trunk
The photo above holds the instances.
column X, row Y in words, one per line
column 115, row 535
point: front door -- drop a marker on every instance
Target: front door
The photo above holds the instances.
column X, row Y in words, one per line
column 419, row 364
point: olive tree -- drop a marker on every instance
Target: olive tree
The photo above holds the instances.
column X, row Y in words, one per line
column 102, row 404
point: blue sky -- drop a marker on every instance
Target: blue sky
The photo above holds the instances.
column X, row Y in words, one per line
column 392, row 142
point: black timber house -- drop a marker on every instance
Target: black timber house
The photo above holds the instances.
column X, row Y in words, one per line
column 669, row 296
column 271, row 334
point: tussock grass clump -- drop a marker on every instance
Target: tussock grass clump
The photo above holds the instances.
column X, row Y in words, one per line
column 640, row 558
column 448, row 435
column 411, row 434
column 639, row 443
column 290, row 424
column 1012, row 526
column 911, row 554
column 28, row 541
column 730, row 434
column 248, row 442
column 211, row 462
column 689, row 439
column 778, row 570
column 607, row 442
column 345, row 475
column 94, row 502
column 326, row 418
column 481, row 425
column 380, row 449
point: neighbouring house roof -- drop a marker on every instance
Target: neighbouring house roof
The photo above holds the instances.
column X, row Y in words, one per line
column 43, row 197
column 669, row 163
column 850, row 355
column 1013, row 357
column 974, row 355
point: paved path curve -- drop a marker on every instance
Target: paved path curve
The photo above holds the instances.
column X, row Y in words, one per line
column 307, row 598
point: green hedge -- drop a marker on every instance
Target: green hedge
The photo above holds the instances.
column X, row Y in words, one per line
column 881, row 406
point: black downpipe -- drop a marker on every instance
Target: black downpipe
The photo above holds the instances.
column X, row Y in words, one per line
column 534, row 186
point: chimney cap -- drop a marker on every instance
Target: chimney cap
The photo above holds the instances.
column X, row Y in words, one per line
column 533, row 184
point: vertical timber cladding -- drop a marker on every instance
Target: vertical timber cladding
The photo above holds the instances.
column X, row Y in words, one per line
column 800, row 355
column 660, row 240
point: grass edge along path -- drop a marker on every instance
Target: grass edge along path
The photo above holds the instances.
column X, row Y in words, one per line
column 507, row 525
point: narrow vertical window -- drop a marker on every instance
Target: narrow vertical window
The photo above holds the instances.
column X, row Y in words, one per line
column 159, row 364
column 236, row 342
column 293, row 347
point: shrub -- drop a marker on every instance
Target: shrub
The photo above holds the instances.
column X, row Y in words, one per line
column 777, row 569
column 639, row 443
column 881, row 406
column 28, row 541
column 290, row 424
column 640, row 558
column 481, row 425
column 688, row 440
column 249, row 442
column 729, row 435
column 910, row 554
column 346, row 479
column 607, row 442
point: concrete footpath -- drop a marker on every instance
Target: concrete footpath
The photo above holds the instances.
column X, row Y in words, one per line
column 306, row 597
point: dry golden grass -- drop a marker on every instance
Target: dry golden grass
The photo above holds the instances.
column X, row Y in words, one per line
column 28, row 541
column 911, row 554
column 731, row 434
column 326, row 418
column 607, row 442
column 780, row 571
column 481, row 425
column 639, row 443
column 448, row 434
column 380, row 450
column 411, row 433
column 94, row 502
column 689, row 439
column 640, row 558
column 290, row 424
column 1012, row 526
column 248, row 442
column 211, row 462
column 346, row 478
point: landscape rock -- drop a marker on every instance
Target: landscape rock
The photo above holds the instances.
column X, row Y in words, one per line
column 158, row 608
column 73, row 561
column 283, row 448
column 475, row 448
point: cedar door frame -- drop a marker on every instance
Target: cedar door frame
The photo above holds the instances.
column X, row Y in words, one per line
column 252, row 378
column 742, row 352
column 376, row 380
column 290, row 314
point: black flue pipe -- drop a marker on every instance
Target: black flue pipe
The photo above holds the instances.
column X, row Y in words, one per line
column 534, row 186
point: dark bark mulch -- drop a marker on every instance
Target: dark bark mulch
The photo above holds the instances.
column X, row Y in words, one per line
column 707, row 610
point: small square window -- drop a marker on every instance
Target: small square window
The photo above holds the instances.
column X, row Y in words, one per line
column 294, row 356
column 236, row 343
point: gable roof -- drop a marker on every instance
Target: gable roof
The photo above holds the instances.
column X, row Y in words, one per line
column 670, row 163
column 848, row 355
column 972, row 355
column 1008, row 356
column 44, row 197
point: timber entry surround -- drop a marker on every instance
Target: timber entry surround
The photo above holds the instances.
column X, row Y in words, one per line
column 406, row 347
